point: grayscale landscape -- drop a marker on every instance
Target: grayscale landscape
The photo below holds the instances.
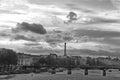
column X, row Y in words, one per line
column 59, row 39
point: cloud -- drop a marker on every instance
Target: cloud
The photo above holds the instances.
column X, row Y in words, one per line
column 58, row 37
column 53, row 38
column 22, row 37
column 100, row 20
column 111, row 38
column 13, row 4
column 114, row 41
column 99, row 4
column 88, row 52
column 95, row 4
column 4, row 34
column 96, row 33
column 24, row 26
column 32, row 44
column 81, row 9
column 8, row 12
column 116, row 3
column 96, row 19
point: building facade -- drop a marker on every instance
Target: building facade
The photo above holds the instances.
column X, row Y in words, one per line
column 24, row 59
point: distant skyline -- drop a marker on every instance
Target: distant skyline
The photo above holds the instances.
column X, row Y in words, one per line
column 97, row 29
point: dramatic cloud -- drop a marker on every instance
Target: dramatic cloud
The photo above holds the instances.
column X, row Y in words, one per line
column 42, row 26
column 36, row 28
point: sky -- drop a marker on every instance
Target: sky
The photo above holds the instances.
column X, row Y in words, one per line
column 42, row 26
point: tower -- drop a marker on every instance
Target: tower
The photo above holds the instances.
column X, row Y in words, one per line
column 65, row 54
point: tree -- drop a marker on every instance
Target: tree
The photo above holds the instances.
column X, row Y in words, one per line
column 52, row 62
column 7, row 57
column 41, row 61
column 62, row 62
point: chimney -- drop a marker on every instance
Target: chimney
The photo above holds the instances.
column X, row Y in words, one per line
column 65, row 54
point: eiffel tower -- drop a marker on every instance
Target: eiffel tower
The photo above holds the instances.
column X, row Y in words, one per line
column 65, row 53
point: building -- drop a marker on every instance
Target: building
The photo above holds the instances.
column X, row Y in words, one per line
column 27, row 59
column 24, row 59
column 78, row 60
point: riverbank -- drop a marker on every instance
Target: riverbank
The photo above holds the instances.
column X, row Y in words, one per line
column 76, row 75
